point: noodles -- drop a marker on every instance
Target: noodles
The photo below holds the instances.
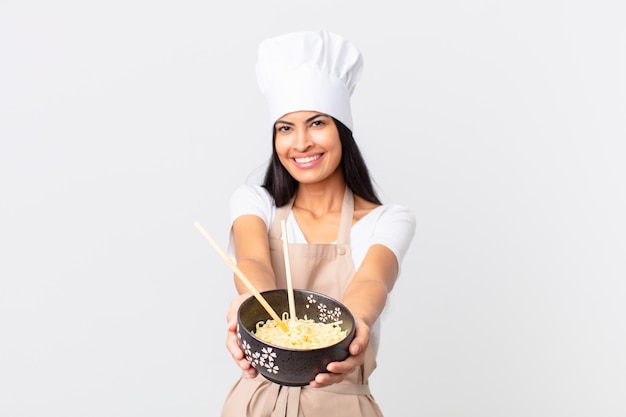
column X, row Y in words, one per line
column 302, row 334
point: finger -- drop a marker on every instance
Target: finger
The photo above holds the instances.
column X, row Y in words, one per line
column 355, row 348
column 344, row 367
column 232, row 325
column 326, row 379
column 252, row 372
column 232, row 346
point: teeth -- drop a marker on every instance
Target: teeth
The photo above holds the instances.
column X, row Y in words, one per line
column 307, row 159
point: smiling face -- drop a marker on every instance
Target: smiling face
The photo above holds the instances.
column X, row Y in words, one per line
column 308, row 145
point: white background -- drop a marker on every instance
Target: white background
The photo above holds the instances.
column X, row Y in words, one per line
column 500, row 124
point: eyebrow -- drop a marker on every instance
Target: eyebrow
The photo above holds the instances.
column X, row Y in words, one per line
column 315, row 116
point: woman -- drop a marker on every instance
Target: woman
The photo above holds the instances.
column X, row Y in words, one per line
column 343, row 241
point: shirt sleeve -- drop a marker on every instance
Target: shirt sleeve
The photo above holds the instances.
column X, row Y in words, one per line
column 249, row 199
column 395, row 230
column 392, row 226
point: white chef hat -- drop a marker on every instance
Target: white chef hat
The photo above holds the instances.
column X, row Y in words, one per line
column 314, row 70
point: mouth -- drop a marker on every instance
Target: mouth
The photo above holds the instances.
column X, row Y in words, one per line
column 307, row 159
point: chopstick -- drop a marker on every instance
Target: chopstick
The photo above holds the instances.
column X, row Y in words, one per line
column 243, row 278
column 292, row 306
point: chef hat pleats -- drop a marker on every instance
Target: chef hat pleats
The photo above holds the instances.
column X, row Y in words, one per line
column 313, row 71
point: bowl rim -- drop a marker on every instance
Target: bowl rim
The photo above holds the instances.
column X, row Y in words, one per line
column 345, row 310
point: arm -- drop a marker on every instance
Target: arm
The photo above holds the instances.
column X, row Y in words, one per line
column 253, row 259
column 252, row 250
column 365, row 296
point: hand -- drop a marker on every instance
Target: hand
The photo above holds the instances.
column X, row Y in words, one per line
column 339, row 370
column 231, row 336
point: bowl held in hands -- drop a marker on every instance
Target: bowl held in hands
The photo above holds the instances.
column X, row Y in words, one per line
column 288, row 366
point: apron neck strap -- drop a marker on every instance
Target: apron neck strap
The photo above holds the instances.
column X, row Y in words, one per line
column 345, row 221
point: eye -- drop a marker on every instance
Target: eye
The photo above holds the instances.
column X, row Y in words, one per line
column 317, row 123
column 283, row 128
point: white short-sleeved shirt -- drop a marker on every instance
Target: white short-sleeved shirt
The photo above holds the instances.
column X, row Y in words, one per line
column 390, row 225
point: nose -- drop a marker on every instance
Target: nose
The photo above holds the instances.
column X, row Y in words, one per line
column 302, row 140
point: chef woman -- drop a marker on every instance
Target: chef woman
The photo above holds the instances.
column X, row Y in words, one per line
column 343, row 241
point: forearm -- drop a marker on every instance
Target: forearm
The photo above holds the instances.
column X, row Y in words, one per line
column 366, row 299
column 367, row 293
column 260, row 276
column 253, row 254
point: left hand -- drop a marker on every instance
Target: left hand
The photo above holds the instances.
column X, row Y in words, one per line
column 339, row 370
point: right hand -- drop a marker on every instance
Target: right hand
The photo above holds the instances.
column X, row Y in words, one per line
column 231, row 336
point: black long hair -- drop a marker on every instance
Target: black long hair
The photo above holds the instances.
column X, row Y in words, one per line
column 282, row 186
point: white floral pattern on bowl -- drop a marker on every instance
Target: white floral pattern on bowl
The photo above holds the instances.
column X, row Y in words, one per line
column 292, row 367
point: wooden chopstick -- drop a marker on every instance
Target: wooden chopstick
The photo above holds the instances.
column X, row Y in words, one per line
column 243, row 278
column 292, row 305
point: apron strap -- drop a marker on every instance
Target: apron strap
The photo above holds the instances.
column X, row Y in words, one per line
column 345, row 221
column 282, row 213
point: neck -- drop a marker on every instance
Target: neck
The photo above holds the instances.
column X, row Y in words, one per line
column 320, row 199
